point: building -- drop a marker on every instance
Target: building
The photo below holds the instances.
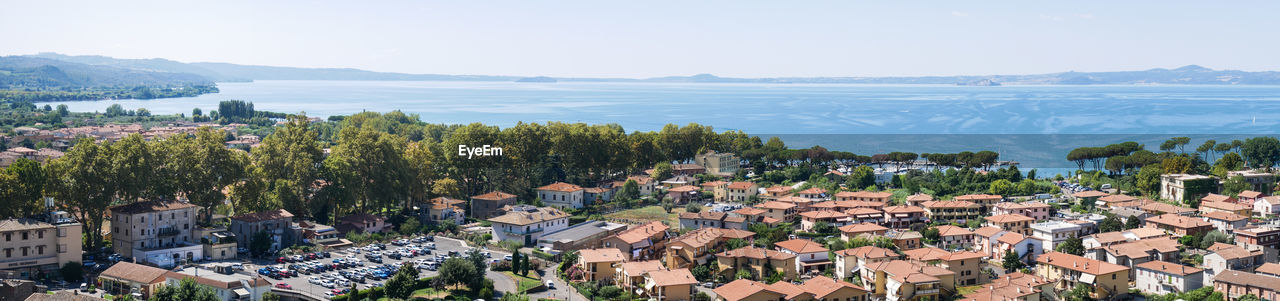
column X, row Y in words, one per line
column 640, row 242
column 778, row 210
column 586, row 235
column 834, row 218
column 362, row 223
column 1089, row 196
column 719, row 164
column 1247, row 197
column 987, row 201
column 323, row 236
column 663, row 285
column 1130, row 254
column 1228, row 207
column 864, row 196
column 1162, row 277
column 985, row 239
column 849, row 261
column 1258, row 238
column 160, row 232
column 817, row 288
column 598, row 264
column 232, row 287
column 1035, row 210
column 954, row 238
column 824, row 288
column 443, row 209
column 1225, row 222
column 489, row 205
column 809, row 255
column 275, row 223
column 741, row 191
column 1259, row 181
column 1013, row 287
column 951, row 211
column 126, row 278
column 1236, row 284
column 1179, row 225
column 15, row 289
column 1010, row 222
column 1181, row 187
column 865, row 215
column 848, row 232
column 1157, row 208
column 706, row 219
column 905, row 240
column 900, row 280
column 593, row 195
column 527, row 223
column 1054, row 232
column 631, row 274
column 63, row 296
column 694, row 247
column 1114, row 200
column 1067, row 271
column 901, row 217
column 39, row 246
column 1268, row 205
column 1026, row 247
column 747, row 290
column 814, row 194
column 918, row 199
column 966, row 265
column 1223, row 257
column 757, row 261
column 561, row 195
column 685, row 194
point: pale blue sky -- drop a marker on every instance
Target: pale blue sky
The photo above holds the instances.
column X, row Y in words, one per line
column 659, row 38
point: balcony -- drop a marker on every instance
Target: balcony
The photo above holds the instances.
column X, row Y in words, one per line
column 926, row 292
column 167, row 232
column 521, row 231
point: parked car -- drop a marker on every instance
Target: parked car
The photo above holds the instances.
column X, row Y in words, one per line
column 551, row 285
column 284, row 286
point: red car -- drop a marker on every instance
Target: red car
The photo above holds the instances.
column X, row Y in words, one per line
column 284, row 286
column 280, row 260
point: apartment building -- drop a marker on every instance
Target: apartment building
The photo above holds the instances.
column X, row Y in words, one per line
column 160, row 232
column 39, row 246
column 1067, row 271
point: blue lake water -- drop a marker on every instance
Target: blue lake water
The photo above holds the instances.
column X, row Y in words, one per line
column 1032, row 124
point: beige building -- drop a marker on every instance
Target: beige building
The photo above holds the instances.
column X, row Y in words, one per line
column 720, row 164
column 741, row 191
column 1010, row 222
column 951, row 211
column 966, row 264
column 161, row 232
column 598, row 264
column 901, row 280
column 489, row 205
column 31, row 247
column 756, row 260
column 1066, row 271
column 673, row 285
column 848, row 261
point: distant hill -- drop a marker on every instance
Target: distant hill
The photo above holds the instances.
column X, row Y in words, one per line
column 223, row 72
column 38, row 73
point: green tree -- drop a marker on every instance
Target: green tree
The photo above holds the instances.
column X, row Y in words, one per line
column 1012, row 262
column 1001, row 187
column 457, row 270
column 81, row 177
column 1234, row 185
column 1110, row 224
column 22, row 184
column 662, row 171
column 206, row 167
column 1132, row 222
column 73, row 272
column 260, row 243
column 269, row 296
column 369, row 167
column 630, row 191
column 862, row 177
column 410, row 226
column 1071, row 246
column 1079, row 293
column 1148, row 180
column 289, row 157
column 1261, row 151
column 1176, row 165
column 693, row 208
column 401, row 285
column 63, row 111
column 736, row 243
column 186, row 290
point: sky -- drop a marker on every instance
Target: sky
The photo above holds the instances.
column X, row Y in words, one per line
column 662, row 38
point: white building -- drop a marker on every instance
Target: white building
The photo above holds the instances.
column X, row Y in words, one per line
column 1225, row 222
column 561, row 195
column 1054, row 232
column 1174, row 186
column 527, row 224
column 1267, row 205
column 1161, row 277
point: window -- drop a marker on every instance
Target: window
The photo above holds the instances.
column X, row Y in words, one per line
column 8, row 252
column 40, row 234
column 8, row 236
column 24, row 235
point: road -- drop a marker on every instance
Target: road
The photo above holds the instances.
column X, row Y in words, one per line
column 562, row 291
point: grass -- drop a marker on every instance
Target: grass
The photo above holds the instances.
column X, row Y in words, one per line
column 649, row 213
column 965, row 290
column 524, row 283
column 429, row 293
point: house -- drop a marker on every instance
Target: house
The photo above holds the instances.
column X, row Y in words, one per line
column 905, row 240
column 951, row 211
column 594, row 195
column 987, row 201
column 1217, row 198
column 527, row 224
column 802, row 204
column 362, row 222
column 1125, row 214
column 777, row 191
column 561, row 195
column 1035, row 210
column 778, row 210
column 1026, row 247
column 1013, row 287
column 865, row 215
column 39, row 246
column 1258, row 238
column 62, row 296
column 1158, row 208
column 1179, row 225
column 702, row 219
column 864, row 196
column 640, row 242
column 812, row 218
column 1228, row 207
column 1259, row 181
column 848, row 232
column 631, row 274
column 817, row 288
column 1010, row 222
column 1225, row 222
column 966, row 265
column 1223, row 257
column 1067, row 271
column 489, row 205
column 687, row 169
column 855, row 260
column 1181, row 187
column 1162, row 277
column 719, row 164
column 1236, row 284
column 586, row 235
column 901, row 217
column 752, row 215
column 1112, row 201
column 442, row 209
column 1268, row 205
column 1247, row 197
column 1054, row 232
column 125, row 278
column 918, row 199
column 900, row 280
column 694, row 247
column 598, row 264
column 747, row 290
column 1100, row 240
column 741, row 191
column 824, row 288
column 685, row 194
column 1089, row 196
column 813, row 193
column 809, row 254
column 953, row 238
column 645, row 184
column 275, row 222
column 323, row 236
column 756, row 260
column 985, row 239
column 663, row 285
column 1268, row 269
column 719, row 190
column 1132, row 253
column 160, row 232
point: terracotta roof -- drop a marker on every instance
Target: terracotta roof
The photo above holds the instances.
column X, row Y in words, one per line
column 862, row 227
column 1214, row 197
column 1273, row 200
column 971, row 197
column 1144, row 233
column 823, row 214
column 911, row 272
column 135, row 272
column 919, row 197
column 926, row 254
column 1225, row 206
column 672, row 277
column 1269, row 268
column 1250, row 194
column 640, row 233
column 1021, row 206
column 1169, row 268
column 743, row 288
column 703, row 215
column 813, row 190
column 987, row 231
column 1227, row 216
column 638, row 268
column 949, row 204
column 756, row 253
column 150, row 206
column 494, row 196
column 685, row 188
column 741, row 185
column 1178, row 221
column 822, row 286
column 601, row 255
column 1141, row 248
column 263, row 215
column 528, row 215
column 779, row 188
column 863, row 194
column 713, row 184
column 68, row 295
column 1079, row 264
column 790, row 290
column 1230, row 252
column 949, row 230
column 1008, row 218
column 749, row 211
column 1089, row 194
column 1248, row 279
column 962, row 255
column 864, row 212
column 1012, row 238
column 801, row 246
column 776, row 205
column 18, row 224
column 1166, row 208
column 561, row 187
column 868, row 252
column 699, row 238
column 903, row 209
column 1116, row 198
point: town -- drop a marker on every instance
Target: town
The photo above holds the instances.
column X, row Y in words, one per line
column 587, row 212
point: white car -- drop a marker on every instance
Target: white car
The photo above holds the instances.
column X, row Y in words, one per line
column 329, row 295
column 314, row 280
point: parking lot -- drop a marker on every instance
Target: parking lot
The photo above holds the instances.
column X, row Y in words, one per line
column 355, row 266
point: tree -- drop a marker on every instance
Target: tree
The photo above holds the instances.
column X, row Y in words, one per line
column 1214, row 237
column 115, row 110
column 410, row 226
column 81, row 177
column 630, row 191
column 401, row 285
column 1079, row 293
column 692, row 208
column 260, row 243
column 1011, row 261
column 22, row 184
column 73, row 272
column 931, row 234
column 1110, row 224
column 515, row 262
column 1001, row 187
column 186, row 290
column 1132, row 222
column 862, row 177
column 1071, row 246
column 289, row 157
column 63, row 111
column 269, row 296
column 1176, row 165
column 736, row 243
column 457, row 270
column 1234, row 185
column 1261, row 151
column 369, row 166
column 1148, row 180
column 206, row 166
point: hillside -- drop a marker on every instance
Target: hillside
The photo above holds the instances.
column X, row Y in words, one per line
column 39, row 79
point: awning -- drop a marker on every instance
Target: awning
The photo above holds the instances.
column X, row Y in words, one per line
column 1086, row 278
column 241, row 292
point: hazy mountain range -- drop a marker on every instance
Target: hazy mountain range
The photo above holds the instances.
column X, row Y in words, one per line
column 104, row 69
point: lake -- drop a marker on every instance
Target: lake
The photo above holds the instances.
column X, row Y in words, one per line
column 1032, row 124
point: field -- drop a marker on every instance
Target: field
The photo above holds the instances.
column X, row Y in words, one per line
column 648, row 214
column 524, row 283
